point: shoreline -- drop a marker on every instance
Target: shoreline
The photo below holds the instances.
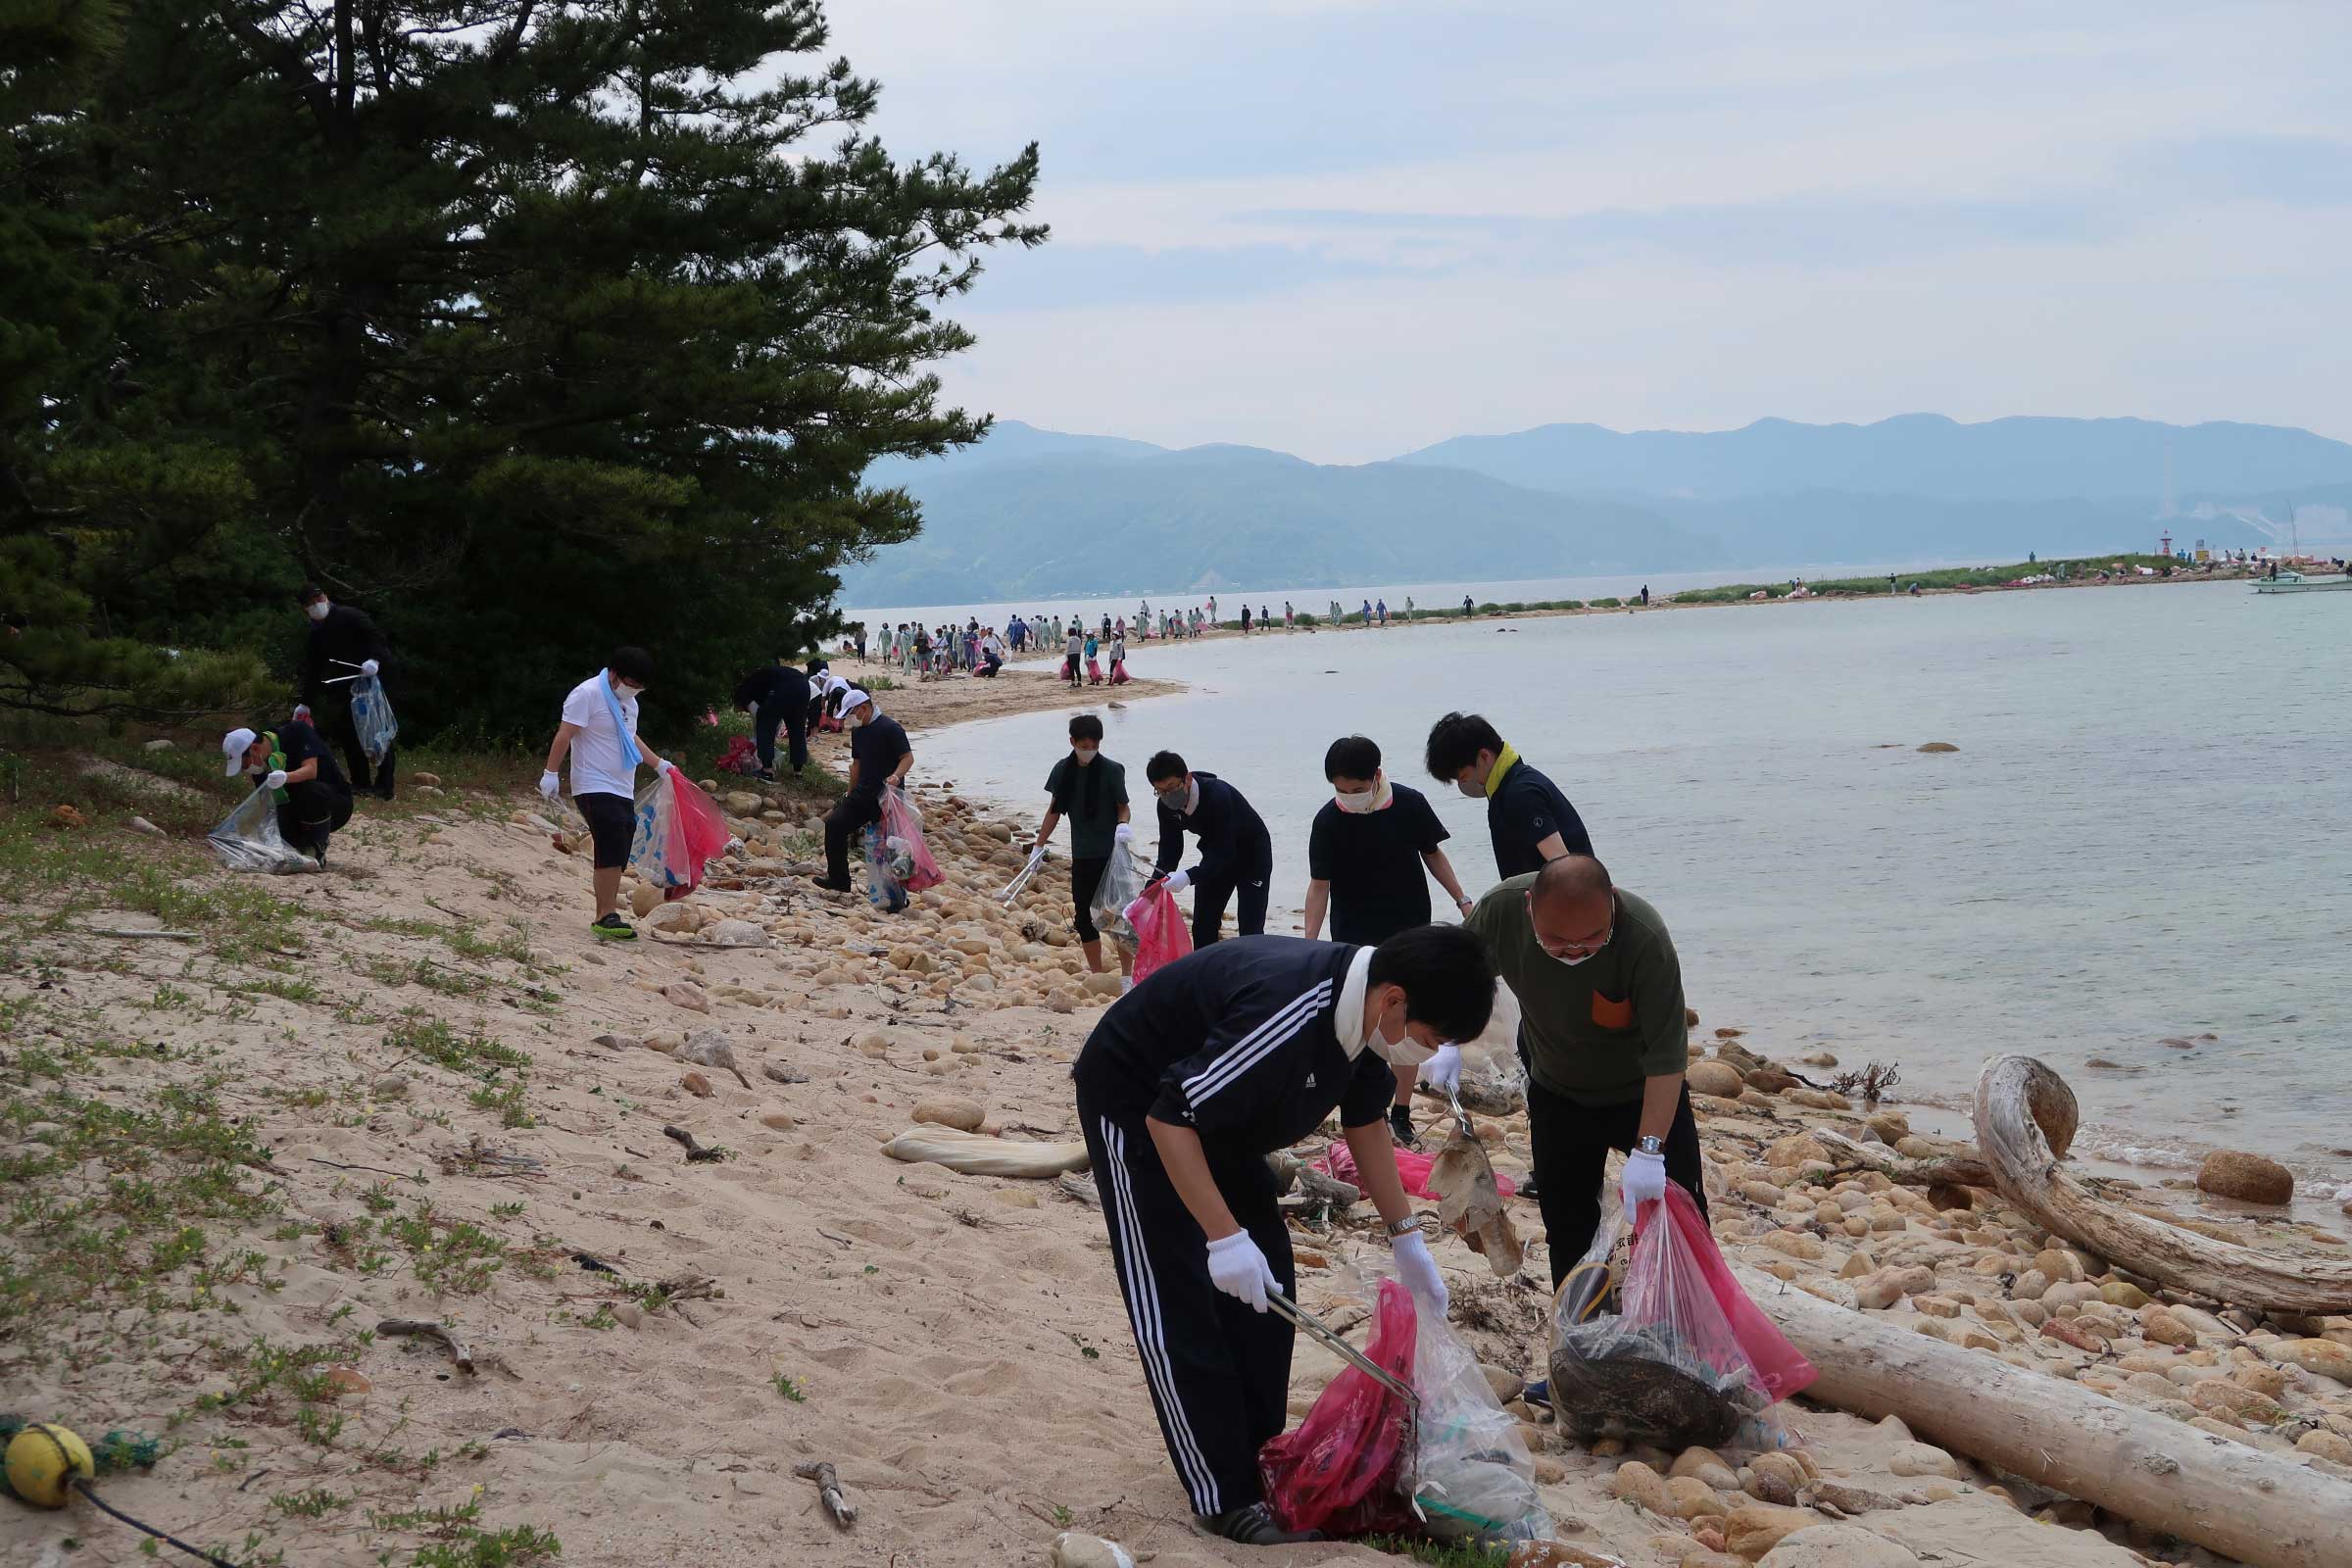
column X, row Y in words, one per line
column 2215, row 571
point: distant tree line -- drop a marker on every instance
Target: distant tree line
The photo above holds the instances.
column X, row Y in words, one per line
column 528, row 328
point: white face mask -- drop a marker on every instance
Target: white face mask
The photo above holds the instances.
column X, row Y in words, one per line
column 1402, row 1051
column 856, row 720
column 1085, row 754
column 1362, row 801
column 317, row 609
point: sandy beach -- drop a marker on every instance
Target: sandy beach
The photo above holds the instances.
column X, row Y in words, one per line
column 448, row 1102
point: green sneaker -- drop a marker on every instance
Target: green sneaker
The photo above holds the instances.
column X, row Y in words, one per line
column 612, row 928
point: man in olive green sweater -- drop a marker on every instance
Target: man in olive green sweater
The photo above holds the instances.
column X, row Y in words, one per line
column 1603, row 1038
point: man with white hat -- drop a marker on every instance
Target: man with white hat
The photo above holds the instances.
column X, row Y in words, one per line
column 293, row 763
column 879, row 755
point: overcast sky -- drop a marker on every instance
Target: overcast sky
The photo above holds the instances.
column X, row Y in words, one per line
column 1348, row 231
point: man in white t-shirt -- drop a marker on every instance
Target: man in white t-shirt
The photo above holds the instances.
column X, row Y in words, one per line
column 600, row 733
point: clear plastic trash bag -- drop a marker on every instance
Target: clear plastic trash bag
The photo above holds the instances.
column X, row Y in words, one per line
column 1121, row 885
column 371, row 715
column 247, row 839
column 1474, row 1478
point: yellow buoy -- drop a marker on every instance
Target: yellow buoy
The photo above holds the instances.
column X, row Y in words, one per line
column 44, row 1460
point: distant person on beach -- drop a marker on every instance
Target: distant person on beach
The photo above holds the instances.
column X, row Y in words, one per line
column 1408, row 610
column 1073, row 649
column 1094, row 664
column 1645, row 596
column 1383, row 615
column 1290, row 617
column 1467, row 608
column 1604, row 1036
column 1118, row 659
column 1091, row 790
column 1236, row 855
column 1530, row 821
column 879, row 755
column 597, row 732
column 1185, row 1086
column 1245, row 620
column 776, row 695
column 1369, row 857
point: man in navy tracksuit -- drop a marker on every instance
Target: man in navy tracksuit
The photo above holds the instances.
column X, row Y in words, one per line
column 1237, row 855
column 1186, row 1084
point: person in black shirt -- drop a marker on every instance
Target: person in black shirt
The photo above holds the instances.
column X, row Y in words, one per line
column 293, row 763
column 1091, row 790
column 1366, row 860
column 777, row 694
column 343, row 642
column 1185, row 1086
column 1236, row 855
column 1530, row 821
column 879, row 755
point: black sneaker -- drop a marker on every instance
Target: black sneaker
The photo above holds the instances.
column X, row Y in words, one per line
column 830, row 885
column 1527, row 1187
column 1400, row 1127
column 1253, row 1526
column 612, row 928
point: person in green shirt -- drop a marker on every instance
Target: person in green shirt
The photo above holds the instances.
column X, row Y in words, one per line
column 1091, row 790
column 1603, row 1038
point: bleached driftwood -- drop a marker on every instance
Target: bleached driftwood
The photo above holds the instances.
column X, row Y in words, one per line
column 432, row 1328
column 2227, row 1497
column 1939, row 1170
column 828, row 1492
column 2025, row 1118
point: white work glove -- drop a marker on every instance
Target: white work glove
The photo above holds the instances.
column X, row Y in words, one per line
column 1443, row 1071
column 369, row 666
column 302, row 712
column 1126, row 832
column 1240, row 1270
column 1177, row 881
column 1419, row 1272
column 550, row 785
column 754, row 712
column 1645, row 1180
column 276, row 779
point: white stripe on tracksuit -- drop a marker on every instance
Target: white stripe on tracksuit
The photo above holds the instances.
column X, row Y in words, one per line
column 1256, row 1046
column 1142, row 1312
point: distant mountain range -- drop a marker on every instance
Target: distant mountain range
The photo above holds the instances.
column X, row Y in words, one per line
column 1030, row 512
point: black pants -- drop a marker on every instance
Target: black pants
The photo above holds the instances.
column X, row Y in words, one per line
column 1218, row 1372
column 1571, row 1144
column 794, row 718
column 310, row 813
column 1212, row 890
column 345, row 734
column 1086, row 875
column 845, row 819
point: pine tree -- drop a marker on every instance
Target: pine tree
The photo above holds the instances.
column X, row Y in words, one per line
column 531, row 329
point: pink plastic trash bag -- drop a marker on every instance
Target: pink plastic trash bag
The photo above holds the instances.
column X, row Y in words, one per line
column 1412, row 1168
column 1161, row 936
column 679, row 833
column 1344, row 1470
column 1686, row 1361
column 903, row 830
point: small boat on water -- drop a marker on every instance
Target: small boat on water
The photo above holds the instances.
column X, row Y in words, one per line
column 2294, row 582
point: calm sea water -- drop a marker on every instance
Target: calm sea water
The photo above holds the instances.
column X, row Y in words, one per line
column 2142, row 835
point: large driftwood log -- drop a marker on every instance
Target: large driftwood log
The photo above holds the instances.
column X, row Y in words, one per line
column 2227, row 1496
column 1941, row 1170
column 2025, row 1118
